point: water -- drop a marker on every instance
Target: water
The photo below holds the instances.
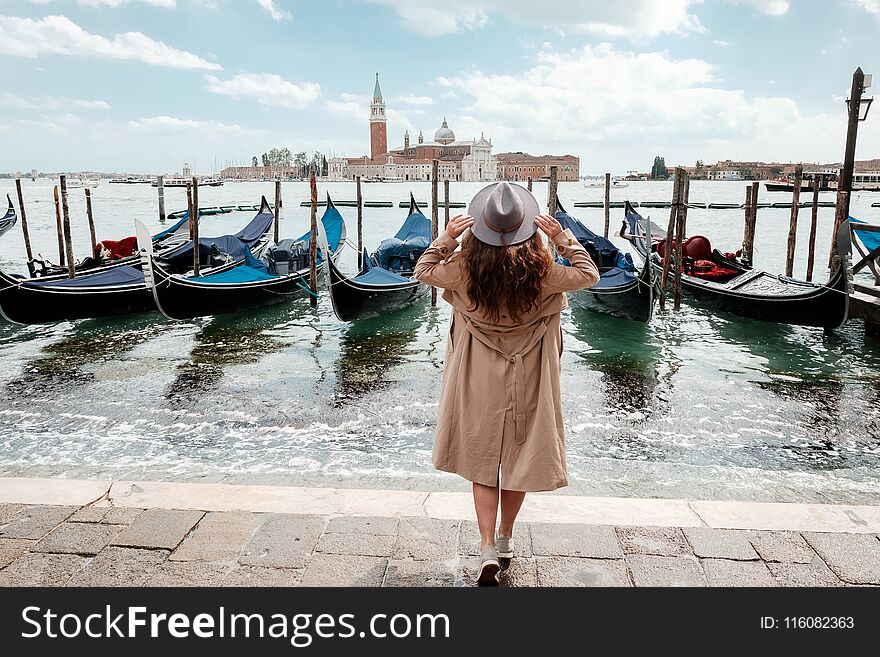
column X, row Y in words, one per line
column 695, row 405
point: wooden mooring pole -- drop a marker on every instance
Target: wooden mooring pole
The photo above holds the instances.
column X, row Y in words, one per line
column 446, row 203
column 792, row 227
column 608, row 203
column 670, row 238
column 277, row 208
column 530, row 183
column 814, row 222
column 748, row 239
column 194, row 223
column 753, row 221
column 681, row 234
column 91, row 219
column 360, row 208
column 554, row 183
column 59, row 228
column 193, row 213
column 68, row 242
column 313, row 242
column 24, row 228
column 160, row 181
column 435, row 214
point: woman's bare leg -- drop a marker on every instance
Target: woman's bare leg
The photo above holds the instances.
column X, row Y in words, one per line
column 511, row 501
column 486, row 504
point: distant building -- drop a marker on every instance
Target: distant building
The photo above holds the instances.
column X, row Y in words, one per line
column 522, row 166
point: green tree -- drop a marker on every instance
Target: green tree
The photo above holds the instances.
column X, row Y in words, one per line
column 255, row 162
column 775, row 171
column 265, row 159
column 745, row 173
column 658, row 171
column 324, row 166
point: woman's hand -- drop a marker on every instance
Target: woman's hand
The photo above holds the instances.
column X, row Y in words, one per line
column 458, row 224
column 548, row 225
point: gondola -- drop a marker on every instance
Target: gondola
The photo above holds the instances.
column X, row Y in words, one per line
column 281, row 276
column 384, row 283
column 724, row 283
column 622, row 290
column 119, row 290
column 9, row 219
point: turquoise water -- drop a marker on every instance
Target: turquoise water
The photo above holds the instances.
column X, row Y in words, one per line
column 695, row 405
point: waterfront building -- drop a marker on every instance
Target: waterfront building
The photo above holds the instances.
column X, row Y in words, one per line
column 522, row 166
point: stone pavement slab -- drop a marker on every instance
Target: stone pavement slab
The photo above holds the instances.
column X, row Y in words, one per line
column 339, row 570
column 119, row 566
column 259, row 576
column 724, row 572
column 791, row 517
column 12, row 548
column 158, row 528
column 372, row 525
column 188, row 573
column 409, row 572
column 90, row 514
column 121, row 515
column 572, row 571
column 361, row 545
column 55, row 492
column 804, row 574
column 283, row 541
column 784, row 547
column 591, row 541
column 34, row 522
column 854, row 558
column 650, row 570
column 426, row 539
column 660, row 541
column 218, row 537
column 77, row 538
column 7, row 511
column 469, row 540
column 721, row 544
column 34, row 569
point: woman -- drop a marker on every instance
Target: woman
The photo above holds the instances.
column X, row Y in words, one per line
column 500, row 417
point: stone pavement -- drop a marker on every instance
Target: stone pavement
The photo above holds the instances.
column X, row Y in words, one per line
column 107, row 541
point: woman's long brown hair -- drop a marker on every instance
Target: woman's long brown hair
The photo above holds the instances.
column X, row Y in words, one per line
column 505, row 277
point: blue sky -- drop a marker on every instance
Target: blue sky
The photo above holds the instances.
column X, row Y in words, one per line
column 142, row 85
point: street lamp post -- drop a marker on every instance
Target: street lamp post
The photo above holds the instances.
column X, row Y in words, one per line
column 857, row 110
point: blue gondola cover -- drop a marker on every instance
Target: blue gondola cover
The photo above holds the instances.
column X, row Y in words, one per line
column 379, row 276
column 401, row 252
column 108, row 278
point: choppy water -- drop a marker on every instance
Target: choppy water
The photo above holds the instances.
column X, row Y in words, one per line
column 694, row 405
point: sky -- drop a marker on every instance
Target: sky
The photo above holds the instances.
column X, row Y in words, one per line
column 144, row 85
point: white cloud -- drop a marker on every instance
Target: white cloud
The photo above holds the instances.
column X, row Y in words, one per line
column 870, row 6
column 357, row 108
column 266, row 89
column 720, row 43
column 616, row 105
column 276, row 13
column 166, row 4
column 58, row 35
column 624, row 18
column 768, row 7
column 170, row 125
column 410, row 99
column 49, row 102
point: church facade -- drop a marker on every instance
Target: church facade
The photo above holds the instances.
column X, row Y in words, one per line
column 468, row 160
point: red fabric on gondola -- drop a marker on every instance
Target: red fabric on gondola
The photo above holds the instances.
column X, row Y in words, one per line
column 712, row 271
column 698, row 248
column 118, row 249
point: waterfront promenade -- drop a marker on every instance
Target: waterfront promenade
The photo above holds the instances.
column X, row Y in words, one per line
column 103, row 533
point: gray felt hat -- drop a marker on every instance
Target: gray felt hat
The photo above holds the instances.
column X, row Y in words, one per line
column 504, row 214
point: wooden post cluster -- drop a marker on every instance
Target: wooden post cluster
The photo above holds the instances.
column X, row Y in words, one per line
column 68, row 242
column 360, row 204
column 530, row 183
column 189, row 206
column 680, row 231
column 814, row 221
column 24, row 228
column 435, row 213
column 446, row 203
column 277, row 208
column 160, row 183
column 792, row 227
column 551, row 200
column 607, row 203
column 313, row 242
column 91, row 219
column 841, row 214
column 59, row 228
column 194, row 227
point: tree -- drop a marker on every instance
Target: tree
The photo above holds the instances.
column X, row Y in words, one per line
column 775, row 171
column 255, row 162
column 265, row 159
column 324, row 167
column 658, row 171
column 745, row 173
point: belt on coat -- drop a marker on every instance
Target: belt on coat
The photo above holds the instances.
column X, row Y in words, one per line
column 519, row 397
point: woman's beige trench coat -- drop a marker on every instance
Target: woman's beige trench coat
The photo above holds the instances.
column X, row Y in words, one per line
column 500, row 407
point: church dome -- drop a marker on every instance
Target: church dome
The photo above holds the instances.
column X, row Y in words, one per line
column 444, row 135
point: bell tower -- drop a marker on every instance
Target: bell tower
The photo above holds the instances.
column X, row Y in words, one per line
column 378, row 124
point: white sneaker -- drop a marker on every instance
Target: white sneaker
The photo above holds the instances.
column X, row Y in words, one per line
column 504, row 545
column 489, row 567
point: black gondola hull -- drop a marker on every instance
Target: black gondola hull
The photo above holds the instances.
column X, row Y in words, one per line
column 23, row 304
column 634, row 301
column 353, row 301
